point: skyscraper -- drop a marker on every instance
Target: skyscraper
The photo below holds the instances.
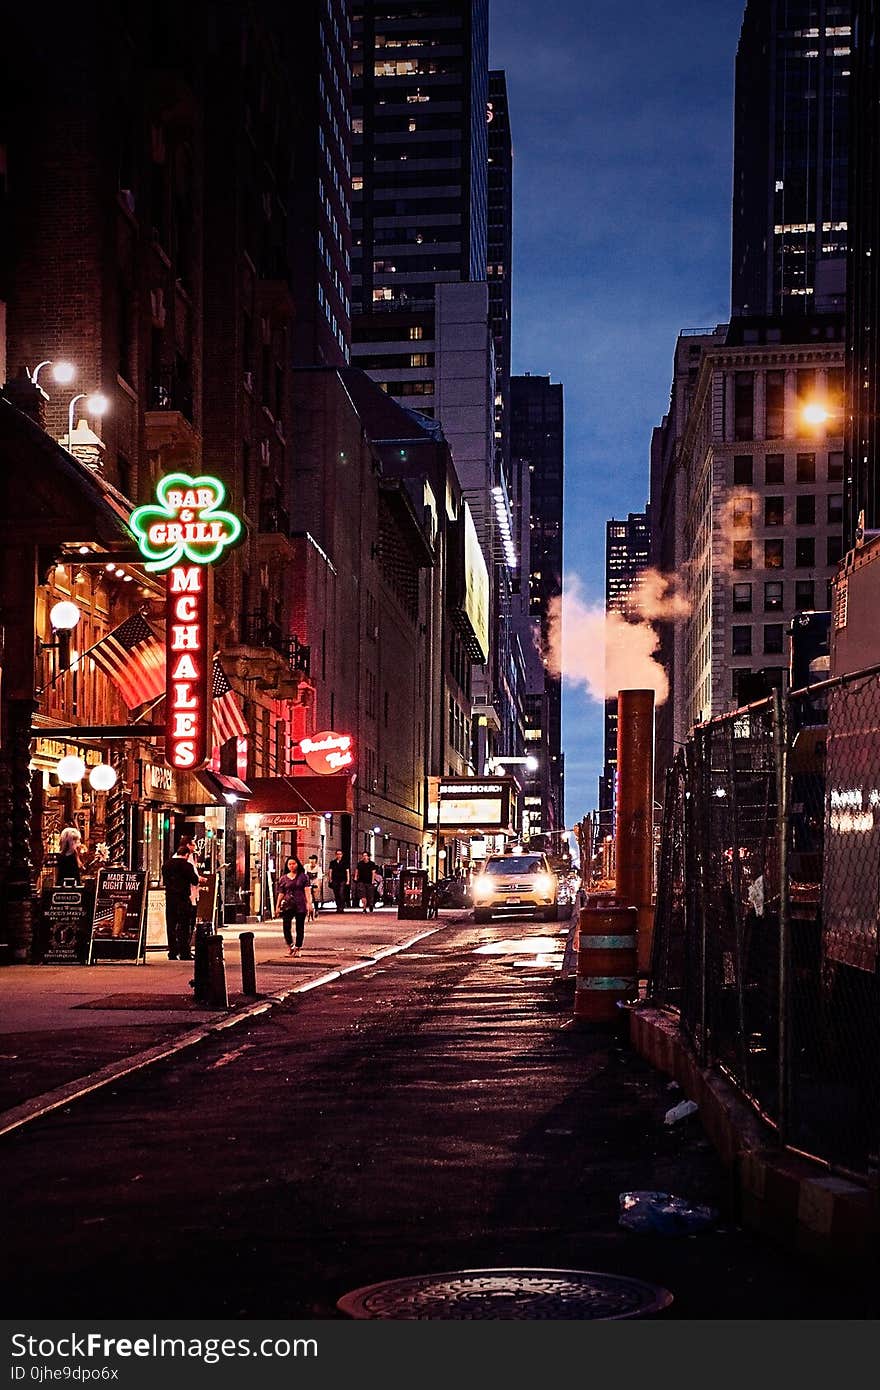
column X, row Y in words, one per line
column 791, row 140
column 500, row 247
column 862, row 491
column 626, row 559
column 420, row 74
column 537, row 448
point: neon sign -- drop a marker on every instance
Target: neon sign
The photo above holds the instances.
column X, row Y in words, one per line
column 187, row 523
column 328, row 752
column 184, row 532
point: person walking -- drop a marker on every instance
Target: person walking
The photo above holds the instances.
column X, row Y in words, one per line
column 364, row 880
column 339, row 879
column 180, row 877
column 313, row 872
column 292, row 902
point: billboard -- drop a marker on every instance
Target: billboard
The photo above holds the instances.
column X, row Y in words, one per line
column 468, row 582
column 472, row 803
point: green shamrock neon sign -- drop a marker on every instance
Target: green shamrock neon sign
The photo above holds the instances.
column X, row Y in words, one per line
column 187, row 523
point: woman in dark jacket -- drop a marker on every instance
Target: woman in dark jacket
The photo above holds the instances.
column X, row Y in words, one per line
column 291, row 902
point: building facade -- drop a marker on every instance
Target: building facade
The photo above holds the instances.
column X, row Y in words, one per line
column 791, row 138
column 863, row 285
column 537, row 450
column 626, row 559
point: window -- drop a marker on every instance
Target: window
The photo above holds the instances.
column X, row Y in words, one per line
column 805, row 552
column 773, row 637
column 744, row 405
column 804, row 594
column 742, row 555
column 806, row 468
column 835, row 549
column 774, row 469
column 742, row 468
column 835, row 508
column 835, row 468
column 774, row 511
column 742, row 641
column 805, row 510
column 742, row 598
column 774, row 555
column 774, row 388
column 742, row 513
column 773, row 595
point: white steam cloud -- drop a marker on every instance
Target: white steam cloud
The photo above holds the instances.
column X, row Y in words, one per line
column 604, row 652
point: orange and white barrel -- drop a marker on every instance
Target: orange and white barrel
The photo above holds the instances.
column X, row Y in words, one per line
column 607, row 963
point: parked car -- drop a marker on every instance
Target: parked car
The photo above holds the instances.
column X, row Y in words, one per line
column 452, row 892
column 515, row 884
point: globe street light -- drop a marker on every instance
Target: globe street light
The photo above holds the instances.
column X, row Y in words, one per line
column 96, row 404
column 62, row 372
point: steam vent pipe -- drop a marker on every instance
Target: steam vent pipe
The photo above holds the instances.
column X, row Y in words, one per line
column 635, row 810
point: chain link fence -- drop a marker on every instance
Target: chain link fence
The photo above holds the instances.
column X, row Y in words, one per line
column 768, row 896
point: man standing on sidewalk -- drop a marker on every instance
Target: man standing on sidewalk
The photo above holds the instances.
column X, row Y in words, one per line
column 364, row 879
column 339, row 878
column 179, row 877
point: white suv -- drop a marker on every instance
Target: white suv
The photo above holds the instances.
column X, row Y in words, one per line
column 515, row 883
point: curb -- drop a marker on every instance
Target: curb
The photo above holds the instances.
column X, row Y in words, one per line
column 792, row 1199
column 73, row 1090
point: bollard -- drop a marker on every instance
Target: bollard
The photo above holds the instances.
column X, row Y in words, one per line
column 217, row 995
column 248, row 963
column 200, row 982
column 606, row 964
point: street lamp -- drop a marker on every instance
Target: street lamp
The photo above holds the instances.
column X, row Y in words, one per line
column 62, row 372
column 96, row 404
column 63, row 617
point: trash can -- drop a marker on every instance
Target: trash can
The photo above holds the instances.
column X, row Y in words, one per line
column 412, row 894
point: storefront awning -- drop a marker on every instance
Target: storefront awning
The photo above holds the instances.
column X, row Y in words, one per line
column 311, row 796
column 223, row 787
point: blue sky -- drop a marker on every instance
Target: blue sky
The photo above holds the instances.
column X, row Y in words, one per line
column 622, row 134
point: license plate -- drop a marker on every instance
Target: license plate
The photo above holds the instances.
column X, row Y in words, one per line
column 512, row 901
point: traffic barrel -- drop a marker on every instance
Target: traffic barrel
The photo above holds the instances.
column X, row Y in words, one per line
column 607, row 963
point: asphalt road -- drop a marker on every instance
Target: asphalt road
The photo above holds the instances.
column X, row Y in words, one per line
column 430, row 1113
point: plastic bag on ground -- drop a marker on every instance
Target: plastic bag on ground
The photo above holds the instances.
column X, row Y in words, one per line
column 662, row 1214
column 680, row 1111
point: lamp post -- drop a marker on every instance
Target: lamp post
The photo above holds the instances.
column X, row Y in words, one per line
column 63, row 617
column 62, row 372
column 96, row 404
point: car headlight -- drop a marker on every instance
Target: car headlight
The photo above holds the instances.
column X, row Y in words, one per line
column 482, row 888
column 544, row 885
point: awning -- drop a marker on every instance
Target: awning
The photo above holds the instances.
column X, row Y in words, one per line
column 310, row 796
column 223, row 787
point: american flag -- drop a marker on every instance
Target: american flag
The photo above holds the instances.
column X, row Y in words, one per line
column 226, row 714
column 134, row 659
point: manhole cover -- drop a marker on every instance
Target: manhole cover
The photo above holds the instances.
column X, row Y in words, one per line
column 527, row 1294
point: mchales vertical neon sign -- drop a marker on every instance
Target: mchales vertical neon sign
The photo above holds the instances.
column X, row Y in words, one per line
column 185, row 532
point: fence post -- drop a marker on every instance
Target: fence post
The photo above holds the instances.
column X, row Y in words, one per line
column 781, row 727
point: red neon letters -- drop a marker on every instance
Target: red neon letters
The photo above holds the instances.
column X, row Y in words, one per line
column 188, row 666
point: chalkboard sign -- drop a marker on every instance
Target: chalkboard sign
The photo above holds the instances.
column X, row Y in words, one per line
column 206, row 908
column 66, row 918
column 118, row 921
column 157, row 935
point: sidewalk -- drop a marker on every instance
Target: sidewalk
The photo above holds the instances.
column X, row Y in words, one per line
column 68, row 1029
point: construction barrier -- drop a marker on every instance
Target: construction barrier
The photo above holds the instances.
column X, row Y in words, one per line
column 607, row 970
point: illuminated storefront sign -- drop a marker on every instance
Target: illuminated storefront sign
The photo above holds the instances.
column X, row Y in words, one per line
column 469, row 803
column 187, row 523
column 184, row 533
column 328, row 752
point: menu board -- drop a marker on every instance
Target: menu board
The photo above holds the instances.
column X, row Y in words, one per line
column 66, row 917
column 118, row 920
column 157, row 934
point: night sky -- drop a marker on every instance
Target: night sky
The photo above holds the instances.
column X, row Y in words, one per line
column 622, row 134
